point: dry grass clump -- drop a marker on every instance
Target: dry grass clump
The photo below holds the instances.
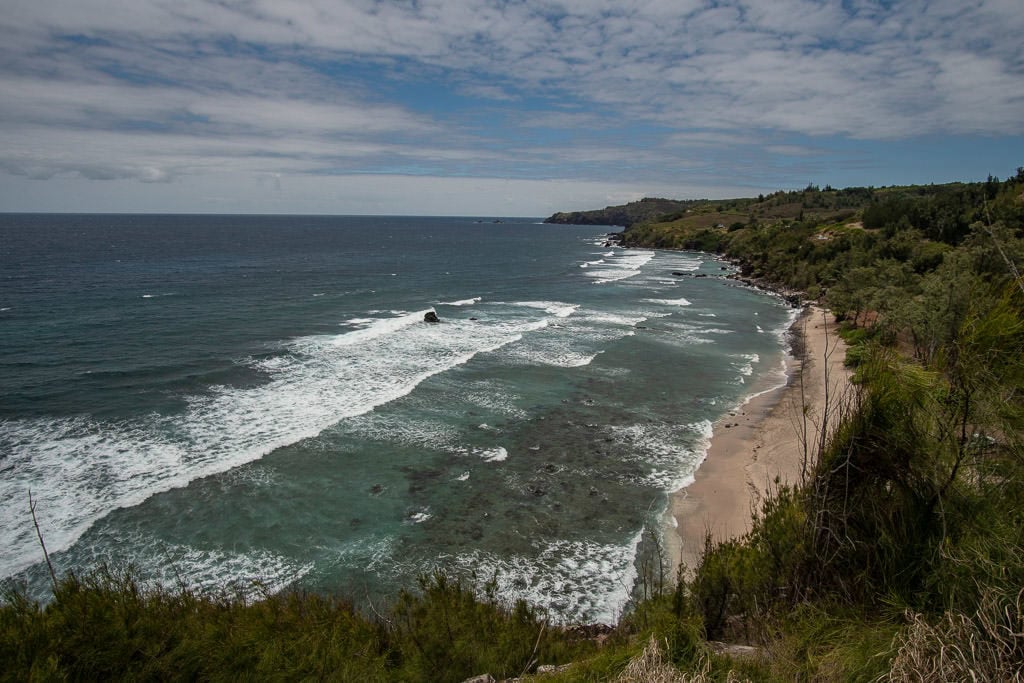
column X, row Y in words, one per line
column 651, row 666
column 989, row 647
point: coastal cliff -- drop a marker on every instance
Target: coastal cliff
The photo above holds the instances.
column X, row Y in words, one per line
column 648, row 208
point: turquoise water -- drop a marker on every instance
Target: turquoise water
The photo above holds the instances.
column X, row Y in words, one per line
column 219, row 400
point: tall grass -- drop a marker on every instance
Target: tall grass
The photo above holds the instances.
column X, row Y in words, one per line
column 108, row 626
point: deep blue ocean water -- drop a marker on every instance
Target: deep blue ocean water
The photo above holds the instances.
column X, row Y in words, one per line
column 223, row 400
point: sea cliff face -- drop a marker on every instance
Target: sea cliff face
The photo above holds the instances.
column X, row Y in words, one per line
column 625, row 215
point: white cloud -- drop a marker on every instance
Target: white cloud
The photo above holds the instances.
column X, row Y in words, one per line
column 158, row 91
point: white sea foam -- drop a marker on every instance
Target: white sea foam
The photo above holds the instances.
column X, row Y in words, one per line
column 493, row 396
column 621, row 266
column 251, row 475
column 555, row 308
column 552, row 352
column 670, row 302
column 375, row 328
column 496, row 454
column 686, row 264
column 371, row 553
column 401, row 429
column 672, row 452
column 462, row 477
column 576, row 342
column 463, row 302
column 694, row 333
column 576, row 581
column 683, row 333
column 776, row 380
column 80, row 469
column 493, row 454
column 252, row 574
column 420, row 516
column 746, row 368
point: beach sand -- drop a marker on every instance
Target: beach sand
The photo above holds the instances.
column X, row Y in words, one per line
column 758, row 443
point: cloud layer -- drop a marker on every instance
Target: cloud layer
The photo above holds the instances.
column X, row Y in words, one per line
column 705, row 95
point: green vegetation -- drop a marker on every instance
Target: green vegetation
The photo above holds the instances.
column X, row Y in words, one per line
column 625, row 215
column 901, row 557
column 107, row 626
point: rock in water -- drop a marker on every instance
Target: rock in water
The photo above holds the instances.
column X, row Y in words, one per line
column 431, row 317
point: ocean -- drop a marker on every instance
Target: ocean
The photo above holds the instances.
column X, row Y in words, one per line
column 249, row 403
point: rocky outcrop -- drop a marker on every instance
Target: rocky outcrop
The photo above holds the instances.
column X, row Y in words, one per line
column 646, row 209
column 431, row 317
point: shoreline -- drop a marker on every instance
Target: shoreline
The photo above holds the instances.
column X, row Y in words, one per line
column 758, row 443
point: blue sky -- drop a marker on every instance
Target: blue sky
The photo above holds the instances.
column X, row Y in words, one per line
column 487, row 107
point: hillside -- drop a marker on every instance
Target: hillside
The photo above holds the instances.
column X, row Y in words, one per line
column 624, row 215
column 901, row 555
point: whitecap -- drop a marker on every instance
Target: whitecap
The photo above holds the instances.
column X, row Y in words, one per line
column 574, row 581
column 671, row 452
column 747, row 369
column 493, row 454
column 555, row 308
column 621, row 267
column 462, row 302
column 681, row 301
column 493, row 396
column 559, row 358
column 420, row 516
column 81, row 469
column 253, row 574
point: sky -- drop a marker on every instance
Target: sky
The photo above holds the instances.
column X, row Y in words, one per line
column 495, row 107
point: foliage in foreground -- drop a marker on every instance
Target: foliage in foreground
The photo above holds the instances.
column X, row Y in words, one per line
column 108, row 627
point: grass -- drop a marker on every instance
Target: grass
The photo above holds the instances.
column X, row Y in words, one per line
column 107, row 626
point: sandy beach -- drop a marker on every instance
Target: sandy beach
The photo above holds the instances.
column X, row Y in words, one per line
column 759, row 443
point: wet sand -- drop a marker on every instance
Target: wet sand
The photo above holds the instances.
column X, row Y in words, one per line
column 760, row 443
